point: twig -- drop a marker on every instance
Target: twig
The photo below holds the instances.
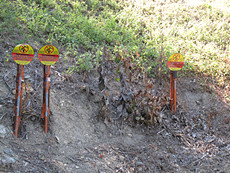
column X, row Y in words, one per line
column 198, row 160
column 160, row 131
column 35, row 78
column 75, row 92
column 5, row 76
column 39, row 166
column 36, row 90
column 187, row 142
column 5, row 97
column 209, row 121
column 87, row 150
column 2, row 142
column 73, row 160
column 2, row 116
column 4, row 79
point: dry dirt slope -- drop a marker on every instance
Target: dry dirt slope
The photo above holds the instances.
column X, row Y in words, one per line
column 79, row 141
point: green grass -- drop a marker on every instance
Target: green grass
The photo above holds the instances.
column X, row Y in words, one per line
column 9, row 23
column 149, row 31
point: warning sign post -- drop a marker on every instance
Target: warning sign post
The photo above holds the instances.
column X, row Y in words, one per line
column 175, row 63
column 22, row 55
column 48, row 55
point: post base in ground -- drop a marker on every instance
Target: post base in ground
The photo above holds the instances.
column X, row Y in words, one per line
column 46, row 88
column 18, row 98
column 173, row 76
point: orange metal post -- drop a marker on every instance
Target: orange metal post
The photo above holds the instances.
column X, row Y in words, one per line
column 45, row 109
column 171, row 90
column 18, row 98
column 173, row 76
column 174, row 96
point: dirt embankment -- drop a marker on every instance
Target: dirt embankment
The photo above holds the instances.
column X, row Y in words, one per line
column 80, row 139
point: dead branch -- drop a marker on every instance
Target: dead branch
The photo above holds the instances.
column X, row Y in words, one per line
column 2, row 116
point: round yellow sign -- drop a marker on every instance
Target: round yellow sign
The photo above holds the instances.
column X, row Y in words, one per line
column 23, row 54
column 175, row 62
column 48, row 55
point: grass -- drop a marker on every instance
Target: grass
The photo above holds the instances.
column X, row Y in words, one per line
column 149, row 31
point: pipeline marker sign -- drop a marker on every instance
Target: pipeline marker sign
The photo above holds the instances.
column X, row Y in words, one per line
column 23, row 54
column 48, row 55
column 175, row 62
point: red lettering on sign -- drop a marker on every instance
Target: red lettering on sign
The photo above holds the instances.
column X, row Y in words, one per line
column 22, row 57
column 43, row 57
column 172, row 64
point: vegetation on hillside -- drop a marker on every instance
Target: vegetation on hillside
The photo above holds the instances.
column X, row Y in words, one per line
column 147, row 31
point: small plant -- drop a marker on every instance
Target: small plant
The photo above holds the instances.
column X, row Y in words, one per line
column 6, row 58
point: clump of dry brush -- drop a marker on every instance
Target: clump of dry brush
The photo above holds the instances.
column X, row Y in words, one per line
column 136, row 99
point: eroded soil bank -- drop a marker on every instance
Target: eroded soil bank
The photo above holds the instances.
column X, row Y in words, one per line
column 80, row 139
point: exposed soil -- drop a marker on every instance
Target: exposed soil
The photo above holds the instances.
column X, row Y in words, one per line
column 196, row 139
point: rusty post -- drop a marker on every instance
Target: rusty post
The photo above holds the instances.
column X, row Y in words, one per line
column 18, row 98
column 173, row 76
column 46, row 87
column 171, row 90
column 174, row 92
column 174, row 63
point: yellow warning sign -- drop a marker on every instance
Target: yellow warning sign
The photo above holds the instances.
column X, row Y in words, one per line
column 175, row 62
column 48, row 55
column 23, row 54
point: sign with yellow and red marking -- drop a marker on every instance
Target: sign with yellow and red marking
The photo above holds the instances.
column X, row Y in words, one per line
column 23, row 54
column 48, row 55
column 175, row 62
